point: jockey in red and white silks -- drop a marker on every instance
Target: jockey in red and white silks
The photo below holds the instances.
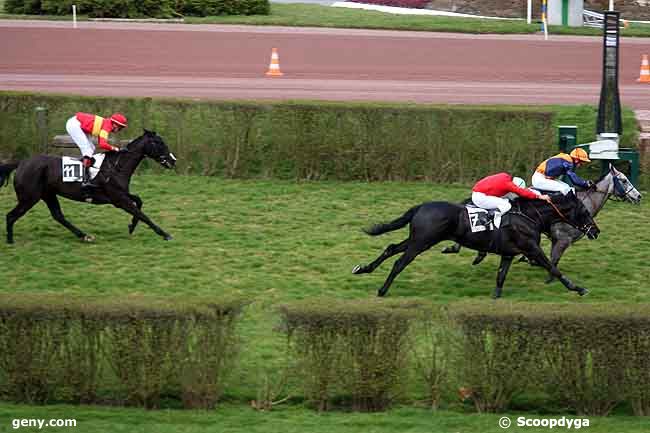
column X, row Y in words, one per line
column 83, row 125
column 492, row 192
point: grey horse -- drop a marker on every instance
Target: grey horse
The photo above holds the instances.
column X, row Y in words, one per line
column 613, row 184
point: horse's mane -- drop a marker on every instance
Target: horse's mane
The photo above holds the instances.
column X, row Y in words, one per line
column 556, row 198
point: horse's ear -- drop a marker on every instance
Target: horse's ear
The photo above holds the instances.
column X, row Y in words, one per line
column 147, row 132
column 611, row 167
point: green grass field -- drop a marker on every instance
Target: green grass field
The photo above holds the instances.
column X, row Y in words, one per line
column 277, row 241
column 274, row 242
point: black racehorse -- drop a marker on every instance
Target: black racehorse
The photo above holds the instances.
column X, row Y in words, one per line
column 40, row 178
column 520, row 233
column 611, row 184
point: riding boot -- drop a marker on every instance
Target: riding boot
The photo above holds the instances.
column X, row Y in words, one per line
column 489, row 217
column 86, row 185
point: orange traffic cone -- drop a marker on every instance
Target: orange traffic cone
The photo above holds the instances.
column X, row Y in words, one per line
column 274, row 67
column 645, row 70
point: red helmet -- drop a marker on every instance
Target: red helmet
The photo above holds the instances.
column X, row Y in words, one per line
column 119, row 119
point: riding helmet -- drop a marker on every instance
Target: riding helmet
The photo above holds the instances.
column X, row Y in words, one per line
column 580, row 154
column 119, row 119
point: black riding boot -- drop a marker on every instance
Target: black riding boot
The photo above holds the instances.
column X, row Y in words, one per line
column 86, row 185
column 488, row 217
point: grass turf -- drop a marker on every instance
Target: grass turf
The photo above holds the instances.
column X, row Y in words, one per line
column 273, row 242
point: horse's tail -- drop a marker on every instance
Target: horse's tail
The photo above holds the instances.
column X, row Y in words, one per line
column 5, row 172
column 400, row 222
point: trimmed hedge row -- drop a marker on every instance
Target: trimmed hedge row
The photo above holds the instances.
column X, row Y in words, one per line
column 56, row 348
column 351, row 353
column 359, row 355
column 308, row 140
column 139, row 8
column 588, row 358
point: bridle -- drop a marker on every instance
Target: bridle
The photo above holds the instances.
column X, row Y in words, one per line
column 167, row 160
column 584, row 229
column 621, row 192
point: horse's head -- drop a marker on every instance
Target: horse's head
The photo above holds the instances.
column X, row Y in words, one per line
column 574, row 212
column 623, row 188
column 153, row 146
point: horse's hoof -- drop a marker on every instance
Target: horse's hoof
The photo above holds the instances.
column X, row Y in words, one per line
column 131, row 228
column 582, row 291
column 449, row 250
column 381, row 293
column 478, row 259
column 356, row 269
column 168, row 237
column 549, row 280
column 87, row 238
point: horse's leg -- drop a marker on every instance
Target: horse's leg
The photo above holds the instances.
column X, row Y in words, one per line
column 123, row 201
column 21, row 209
column 453, row 249
column 504, row 266
column 390, row 251
column 479, row 257
column 557, row 249
column 55, row 209
column 412, row 251
column 535, row 253
column 134, row 221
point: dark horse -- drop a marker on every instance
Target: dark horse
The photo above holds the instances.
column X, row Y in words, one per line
column 40, row 178
column 611, row 184
column 434, row 222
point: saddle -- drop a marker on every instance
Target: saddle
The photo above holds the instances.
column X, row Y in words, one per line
column 481, row 220
column 72, row 167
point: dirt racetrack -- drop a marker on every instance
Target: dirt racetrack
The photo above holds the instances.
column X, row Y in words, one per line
column 229, row 62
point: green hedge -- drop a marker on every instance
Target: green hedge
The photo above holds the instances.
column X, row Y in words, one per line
column 589, row 358
column 351, row 354
column 362, row 355
column 63, row 348
column 359, row 354
column 139, row 8
column 319, row 140
column 309, row 140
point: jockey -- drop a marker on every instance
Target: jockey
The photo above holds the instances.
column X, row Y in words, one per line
column 492, row 192
column 83, row 125
column 547, row 173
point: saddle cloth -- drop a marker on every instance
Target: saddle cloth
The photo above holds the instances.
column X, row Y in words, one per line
column 72, row 168
column 478, row 216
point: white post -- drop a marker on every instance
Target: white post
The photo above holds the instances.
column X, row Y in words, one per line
column 74, row 16
column 611, row 5
column 529, row 12
column 546, row 29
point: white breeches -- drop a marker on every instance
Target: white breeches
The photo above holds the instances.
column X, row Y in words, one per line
column 491, row 202
column 542, row 182
column 86, row 146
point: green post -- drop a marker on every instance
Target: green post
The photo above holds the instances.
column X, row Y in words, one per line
column 41, row 124
column 565, row 12
column 567, row 137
